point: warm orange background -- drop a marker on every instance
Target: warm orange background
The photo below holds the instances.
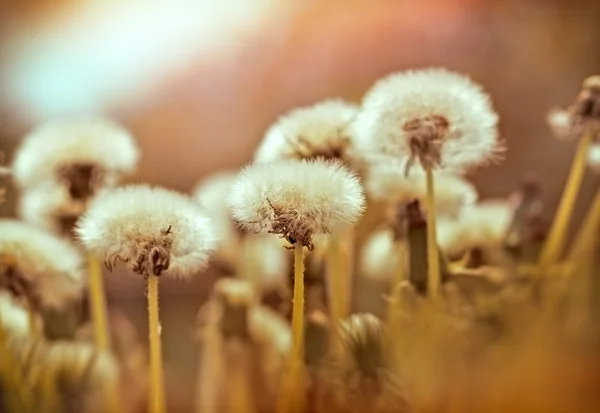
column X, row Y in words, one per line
column 210, row 112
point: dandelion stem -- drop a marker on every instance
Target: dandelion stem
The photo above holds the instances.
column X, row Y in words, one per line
column 553, row 247
column 97, row 300
column 587, row 235
column 337, row 280
column 292, row 394
column 395, row 305
column 433, row 262
column 298, row 305
column 156, row 393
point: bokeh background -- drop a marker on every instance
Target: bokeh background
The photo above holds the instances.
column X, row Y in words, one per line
column 199, row 81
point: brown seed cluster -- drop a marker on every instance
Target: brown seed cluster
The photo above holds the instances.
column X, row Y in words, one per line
column 289, row 225
column 304, row 149
column 425, row 139
column 81, row 179
column 152, row 255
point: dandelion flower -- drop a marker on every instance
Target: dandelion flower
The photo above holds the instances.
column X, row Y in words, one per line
column 583, row 113
column 483, row 225
column 389, row 183
column 38, row 266
column 13, row 318
column 310, row 132
column 84, row 153
column 212, row 193
column 594, row 157
column 439, row 117
column 50, row 206
column 297, row 200
column 379, row 258
column 153, row 230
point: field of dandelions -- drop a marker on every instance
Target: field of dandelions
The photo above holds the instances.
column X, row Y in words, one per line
column 475, row 305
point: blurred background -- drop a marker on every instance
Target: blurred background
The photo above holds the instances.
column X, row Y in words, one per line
column 199, row 81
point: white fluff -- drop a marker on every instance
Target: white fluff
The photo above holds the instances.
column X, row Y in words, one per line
column 51, row 264
column 123, row 221
column 80, row 140
column 594, row 157
column 388, row 182
column 13, row 317
column 472, row 137
column 44, row 204
column 297, row 199
column 481, row 225
column 212, row 194
column 309, row 132
column 379, row 258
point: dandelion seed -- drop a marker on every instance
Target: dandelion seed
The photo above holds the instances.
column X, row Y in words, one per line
column 318, row 131
column 435, row 116
column 38, row 266
column 297, row 200
column 84, row 154
column 153, row 230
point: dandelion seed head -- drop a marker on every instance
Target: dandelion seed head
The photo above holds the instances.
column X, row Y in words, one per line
column 560, row 123
column 49, row 206
column 269, row 260
column 48, row 269
column 51, row 150
column 13, row 317
column 481, row 225
column 149, row 228
column 388, row 182
column 212, row 194
column 594, row 157
column 379, row 258
column 440, row 117
column 297, row 199
column 310, row 132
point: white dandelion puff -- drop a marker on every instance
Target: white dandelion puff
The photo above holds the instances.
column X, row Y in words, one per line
column 482, row 225
column 583, row 114
column 212, row 194
column 38, row 266
column 13, row 317
column 439, row 117
column 310, row 132
column 594, row 157
column 379, row 258
column 297, row 199
column 389, row 183
column 153, row 230
column 84, row 153
column 49, row 206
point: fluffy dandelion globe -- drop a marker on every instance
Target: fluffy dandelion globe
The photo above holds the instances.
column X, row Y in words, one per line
column 150, row 229
column 318, row 131
column 84, row 153
column 297, row 200
column 439, row 117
